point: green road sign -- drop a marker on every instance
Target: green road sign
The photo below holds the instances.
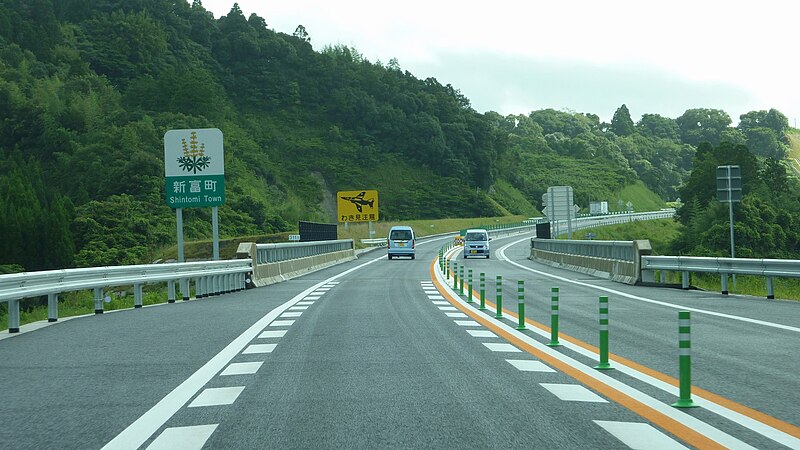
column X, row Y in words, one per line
column 194, row 165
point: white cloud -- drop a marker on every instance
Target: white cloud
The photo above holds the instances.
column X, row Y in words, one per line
column 713, row 43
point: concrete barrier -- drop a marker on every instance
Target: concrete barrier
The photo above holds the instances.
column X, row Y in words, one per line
column 275, row 272
column 574, row 255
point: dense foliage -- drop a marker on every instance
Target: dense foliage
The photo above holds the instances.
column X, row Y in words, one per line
column 88, row 89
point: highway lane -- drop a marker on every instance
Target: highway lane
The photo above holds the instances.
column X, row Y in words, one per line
column 371, row 361
column 747, row 362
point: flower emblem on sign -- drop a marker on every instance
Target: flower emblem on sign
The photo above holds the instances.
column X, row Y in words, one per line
column 193, row 160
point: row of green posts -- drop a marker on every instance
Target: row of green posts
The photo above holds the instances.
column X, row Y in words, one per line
column 457, row 275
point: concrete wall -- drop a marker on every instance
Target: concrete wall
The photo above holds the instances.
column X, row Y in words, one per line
column 628, row 272
column 270, row 273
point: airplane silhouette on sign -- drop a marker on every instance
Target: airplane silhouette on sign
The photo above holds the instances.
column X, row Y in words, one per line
column 359, row 201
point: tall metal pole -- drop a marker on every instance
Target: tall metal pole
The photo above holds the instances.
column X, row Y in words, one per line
column 179, row 219
column 730, row 215
column 215, row 230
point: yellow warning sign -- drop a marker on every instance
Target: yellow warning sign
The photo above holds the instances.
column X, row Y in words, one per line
column 357, row 206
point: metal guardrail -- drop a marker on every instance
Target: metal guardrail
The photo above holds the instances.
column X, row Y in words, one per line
column 377, row 242
column 768, row 268
column 210, row 278
column 268, row 253
column 620, row 250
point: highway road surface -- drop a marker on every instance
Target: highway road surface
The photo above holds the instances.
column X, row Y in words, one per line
column 385, row 354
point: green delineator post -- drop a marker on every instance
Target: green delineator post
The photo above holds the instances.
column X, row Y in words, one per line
column 604, row 364
column 521, row 304
column 685, row 360
column 461, row 280
column 483, row 292
column 499, row 300
column 455, row 275
column 469, row 287
column 554, row 318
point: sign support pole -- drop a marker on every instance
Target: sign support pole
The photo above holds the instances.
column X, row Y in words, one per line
column 730, row 215
column 215, row 230
column 179, row 219
column 371, row 231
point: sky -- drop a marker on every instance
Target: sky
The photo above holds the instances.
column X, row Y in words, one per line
column 514, row 57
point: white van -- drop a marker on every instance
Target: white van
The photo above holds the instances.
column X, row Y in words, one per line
column 401, row 242
column 476, row 243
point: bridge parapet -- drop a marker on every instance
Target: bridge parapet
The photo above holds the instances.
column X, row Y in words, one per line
column 273, row 263
column 615, row 260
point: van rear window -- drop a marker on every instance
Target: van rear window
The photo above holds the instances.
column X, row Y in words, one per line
column 476, row 237
column 400, row 235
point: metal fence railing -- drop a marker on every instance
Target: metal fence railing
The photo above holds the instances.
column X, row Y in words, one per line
column 726, row 267
column 210, row 278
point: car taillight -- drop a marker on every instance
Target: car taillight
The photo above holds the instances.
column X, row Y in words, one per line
column 413, row 243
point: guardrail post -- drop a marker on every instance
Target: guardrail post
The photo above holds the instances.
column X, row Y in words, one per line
column 469, row 287
column 554, row 318
column 521, row 304
column 137, row 295
column 13, row 316
column 685, row 280
column 185, row 289
column 52, row 307
column 685, row 360
column 499, row 298
column 483, row 292
column 198, row 287
column 461, row 280
column 663, row 276
column 98, row 300
column 724, row 278
column 171, row 291
column 770, row 289
column 604, row 364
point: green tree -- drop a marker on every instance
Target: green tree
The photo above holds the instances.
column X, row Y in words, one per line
column 621, row 123
column 703, row 125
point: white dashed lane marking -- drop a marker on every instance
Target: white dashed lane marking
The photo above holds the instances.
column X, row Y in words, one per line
column 573, row 393
column 245, row 368
column 467, row 323
column 272, row 334
column 305, row 303
column 217, row 396
column 639, row 435
column 281, row 323
column 259, row 348
column 189, row 438
column 436, row 297
column 501, row 347
column 292, row 314
column 525, row 365
column 456, row 315
column 481, row 333
column 441, row 302
column 316, row 297
column 298, row 308
column 447, row 308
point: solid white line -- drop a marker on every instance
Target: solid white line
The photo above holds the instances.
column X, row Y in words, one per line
column 185, row 438
column 526, row 365
column 142, row 428
column 639, row 435
column 573, row 393
column 259, row 348
column 245, row 368
column 217, row 396
column 501, row 255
